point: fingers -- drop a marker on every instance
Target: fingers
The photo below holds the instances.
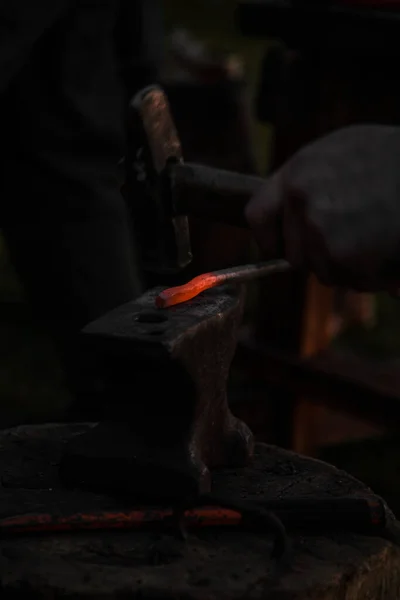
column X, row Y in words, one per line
column 283, row 212
column 294, row 227
column 264, row 214
column 291, row 215
column 335, row 205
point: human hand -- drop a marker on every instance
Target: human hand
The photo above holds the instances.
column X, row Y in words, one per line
column 336, row 207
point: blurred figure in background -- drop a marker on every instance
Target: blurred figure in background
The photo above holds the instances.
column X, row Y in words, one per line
column 67, row 70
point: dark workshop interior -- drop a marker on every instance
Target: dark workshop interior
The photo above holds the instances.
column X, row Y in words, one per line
column 314, row 370
column 31, row 379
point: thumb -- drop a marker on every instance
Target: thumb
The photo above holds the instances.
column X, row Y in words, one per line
column 264, row 216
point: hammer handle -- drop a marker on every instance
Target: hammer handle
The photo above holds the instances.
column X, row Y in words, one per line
column 212, row 194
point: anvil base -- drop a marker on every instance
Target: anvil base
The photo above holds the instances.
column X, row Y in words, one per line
column 168, row 421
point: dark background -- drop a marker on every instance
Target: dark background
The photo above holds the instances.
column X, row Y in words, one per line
column 31, row 380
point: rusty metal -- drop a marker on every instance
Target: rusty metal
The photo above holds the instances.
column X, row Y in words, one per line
column 162, row 190
column 366, row 515
column 166, row 372
column 163, row 237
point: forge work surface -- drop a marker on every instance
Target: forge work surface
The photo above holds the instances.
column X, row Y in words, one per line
column 209, row 565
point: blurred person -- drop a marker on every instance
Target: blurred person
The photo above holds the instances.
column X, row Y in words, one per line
column 67, row 70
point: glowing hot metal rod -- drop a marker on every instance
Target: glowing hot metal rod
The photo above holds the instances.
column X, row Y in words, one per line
column 194, row 287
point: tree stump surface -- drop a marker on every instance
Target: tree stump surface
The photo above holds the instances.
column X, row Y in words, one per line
column 209, row 565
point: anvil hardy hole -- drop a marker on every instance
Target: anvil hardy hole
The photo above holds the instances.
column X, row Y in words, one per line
column 151, row 317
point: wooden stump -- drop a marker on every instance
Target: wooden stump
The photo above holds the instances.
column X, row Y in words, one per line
column 210, row 565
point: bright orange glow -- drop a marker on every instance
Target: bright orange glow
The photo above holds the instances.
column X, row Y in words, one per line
column 183, row 293
column 134, row 519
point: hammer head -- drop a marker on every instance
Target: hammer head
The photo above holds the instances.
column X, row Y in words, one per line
column 163, row 237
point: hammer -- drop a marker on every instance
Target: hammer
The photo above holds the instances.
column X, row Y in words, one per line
column 162, row 190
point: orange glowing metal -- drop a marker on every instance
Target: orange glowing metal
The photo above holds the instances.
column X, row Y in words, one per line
column 183, row 293
column 133, row 519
